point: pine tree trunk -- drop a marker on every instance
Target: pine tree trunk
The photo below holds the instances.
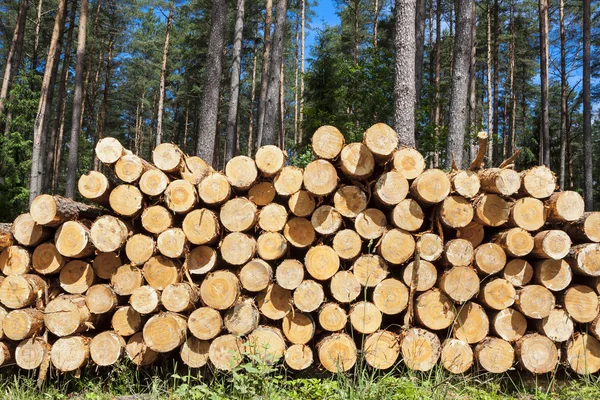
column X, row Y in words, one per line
column 563, row 97
column 544, row 140
column 13, row 59
column 460, row 85
column 38, row 22
column 511, row 85
column 37, row 167
column 270, row 123
column 252, row 99
column 207, row 125
column 163, row 73
column 437, row 115
column 297, row 68
column 300, row 138
column 104, row 107
column 472, row 128
column 264, row 74
column 587, row 111
column 496, row 80
column 420, row 49
column 404, row 72
column 232, row 115
column 491, row 109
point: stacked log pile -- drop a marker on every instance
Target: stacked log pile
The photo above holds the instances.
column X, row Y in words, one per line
column 363, row 253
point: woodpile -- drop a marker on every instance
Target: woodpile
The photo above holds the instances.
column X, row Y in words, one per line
column 362, row 253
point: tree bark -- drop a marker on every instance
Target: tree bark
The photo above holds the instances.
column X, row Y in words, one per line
column 232, row 116
column 563, row 96
column 77, row 102
column 587, row 110
column 511, row 85
column 437, row 106
column 252, row 98
column 300, row 139
column 491, row 109
column 163, row 73
column 13, row 60
column 496, row 80
column 264, row 74
column 207, row 125
column 282, row 105
column 460, row 85
column 37, row 167
column 270, row 123
column 420, row 49
column 101, row 126
column 472, row 129
column 544, row 156
column 38, row 22
column 376, row 11
column 297, row 68
column 404, row 72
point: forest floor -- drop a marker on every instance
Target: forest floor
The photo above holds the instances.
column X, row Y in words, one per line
column 258, row 381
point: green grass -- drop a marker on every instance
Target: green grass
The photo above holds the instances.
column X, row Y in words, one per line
column 254, row 380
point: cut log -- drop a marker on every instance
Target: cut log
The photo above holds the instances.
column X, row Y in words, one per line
column 430, row 247
column 179, row 297
column 101, row 299
column 527, row 213
column 390, row 296
column 109, row 150
column 165, row 332
column 269, row 160
column 289, row 180
column 370, row 270
column 274, row 302
column 256, row 275
column 497, row 294
column 194, row 169
column 321, row 262
column 337, row 352
column 458, row 253
column 421, row 349
column 365, row 317
column 465, row 183
column 76, row 277
column 129, row 168
column 518, row 272
column 273, row 216
column 581, row 302
column 67, row 314
column 18, row 291
column 516, row 242
column 180, row 196
column 396, row 246
column 172, row 243
column 161, row 271
column 434, row 310
column 242, row 318
column 391, row 188
column 344, row 287
column 27, row 232
column 409, row 162
column 299, row 232
column 509, row 324
column 332, row 317
column 201, row 226
column 109, row 233
column 457, row 356
column 491, row 210
column 502, row 181
column 327, row 142
column 289, row 274
column 455, row 212
column 153, row 182
column 30, row 353
column 225, row 352
column 205, row 323
column 408, row 215
column 535, row 301
column 538, row 182
column 70, row 353
column 73, row 239
column 557, row 326
column 138, row 352
column 460, row 283
column 585, row 259
column 473, row 232
column 326, row 220
column 3, row 314
column 6, row 353
column 95, row 187
column 220, row 290
column 494, row 355
column 55, row 210
column 381, row 349
column 350, row 201
column 15, row 260
column 356, row 161
column 214, row 189
column 583, row 354
column 156, row 219
column 308, row 296
column 382, row 141
column 201, row 260
column 556, row 275
column 145, row 300
column 370, row 224
column 139, row 248
column 298, row 328
column 126, row 200
column 320, row 178
column 106, row 348
column 431, row 187
column 585, row 229
column 238, row 215
column 564, row 206
column 23, row 324
column 167, row 157
column 6, row 236
column 126, row 279
column 552, row 244
column 262, row 193
column 490, row 258
column 426, row 275
column 194, row 352
column 241, row 172
column 266, row 343
column 105, row 264
column 472, row 324
column 299, row 357
column 238, row 248
column 301, row 204
column 347, row 244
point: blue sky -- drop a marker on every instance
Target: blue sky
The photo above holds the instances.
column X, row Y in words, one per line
column 324, row 15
